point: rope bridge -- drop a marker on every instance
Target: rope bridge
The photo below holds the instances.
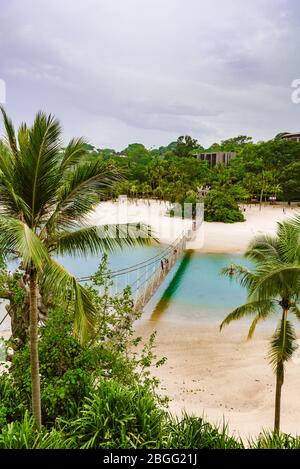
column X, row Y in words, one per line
column 144, row 278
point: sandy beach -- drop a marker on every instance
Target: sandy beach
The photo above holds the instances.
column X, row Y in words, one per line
column 219, row 376
column 222, row 376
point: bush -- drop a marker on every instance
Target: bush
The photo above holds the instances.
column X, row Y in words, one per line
column 19, row 435
column 268, row 440
column 117, row 416
column 12, row 405
column 221, row 206
column 193, row 433
column 66, row 372
column 71, row 371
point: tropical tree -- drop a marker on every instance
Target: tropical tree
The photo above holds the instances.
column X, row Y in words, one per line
column 273, row 286
column 46, row 194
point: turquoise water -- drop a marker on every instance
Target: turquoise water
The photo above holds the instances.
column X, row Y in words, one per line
column 196, row 291
column 82, row 267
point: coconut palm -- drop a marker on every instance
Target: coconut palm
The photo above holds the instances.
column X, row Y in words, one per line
column 46, row 193
column 273, row 286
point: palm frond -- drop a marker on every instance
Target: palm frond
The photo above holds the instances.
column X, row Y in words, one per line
column 262, row 249
column 244, row 276
column 98, row 239
column 73, row 153
column 38, row 167
column 57, row 279
column 11, row 203
column 81, row 191
column 296, row 311
column 289, row 234
column 17, row 237
column 264, row 308
column 283, row 344
column 10, row 132
column 262, row 315
column 276, row 279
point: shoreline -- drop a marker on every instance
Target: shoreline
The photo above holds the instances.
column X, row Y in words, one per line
column 220, row 376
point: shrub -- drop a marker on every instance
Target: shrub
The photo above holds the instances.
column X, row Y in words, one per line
column 12, row 405
column 221, row 206
column 269, row 440
column 117, row 416
column 194, row 433
column 19, row 435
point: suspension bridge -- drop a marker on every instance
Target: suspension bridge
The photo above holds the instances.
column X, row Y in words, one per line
column 145, row 278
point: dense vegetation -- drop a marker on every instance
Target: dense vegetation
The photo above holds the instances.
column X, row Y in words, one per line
column 78, row 376
column 101, row 394
column 261, row 170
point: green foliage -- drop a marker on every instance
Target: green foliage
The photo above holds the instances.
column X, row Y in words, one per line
column 19, row 434
column 186, row 146
column 221, row 206
column 261, row 170
column 117, row 416
column 194, row 433
column 13, row 405
column 276, row 440
column 66, row 374
column 71, row 370
column 130, row 428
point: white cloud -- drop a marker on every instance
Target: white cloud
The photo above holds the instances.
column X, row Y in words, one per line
column 149, row 70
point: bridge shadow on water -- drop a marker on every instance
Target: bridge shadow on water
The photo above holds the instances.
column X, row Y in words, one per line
column 169, row 292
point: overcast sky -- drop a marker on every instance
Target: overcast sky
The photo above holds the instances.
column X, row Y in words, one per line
column 123, row 71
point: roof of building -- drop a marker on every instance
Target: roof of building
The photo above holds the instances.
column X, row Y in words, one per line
column 289, row 135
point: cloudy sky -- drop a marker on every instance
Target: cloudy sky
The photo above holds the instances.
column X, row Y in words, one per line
column 121, row 71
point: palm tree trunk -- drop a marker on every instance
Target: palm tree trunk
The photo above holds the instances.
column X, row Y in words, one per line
column 261, row 199
column 280, row 376
column 34, row 353
column 279, row 383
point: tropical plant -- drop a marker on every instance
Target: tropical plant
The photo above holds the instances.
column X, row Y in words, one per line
column 46, row 194
column 273, row 285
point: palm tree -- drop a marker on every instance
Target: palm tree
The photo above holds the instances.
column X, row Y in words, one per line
column 46, row 193
column 273, row 286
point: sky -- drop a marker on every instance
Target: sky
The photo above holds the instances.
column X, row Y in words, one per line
column 124, row 71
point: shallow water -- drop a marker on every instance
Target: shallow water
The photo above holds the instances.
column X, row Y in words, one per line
column 197, row 291
column 193, row 290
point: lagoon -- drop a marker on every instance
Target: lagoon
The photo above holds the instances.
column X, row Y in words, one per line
column 194, row 289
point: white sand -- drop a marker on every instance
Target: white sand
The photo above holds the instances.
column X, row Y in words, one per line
column 223, row 377
column 152, row 213
column 227, row 238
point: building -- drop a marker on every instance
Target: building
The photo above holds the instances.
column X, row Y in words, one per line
column 293, row 137
column 215, row 158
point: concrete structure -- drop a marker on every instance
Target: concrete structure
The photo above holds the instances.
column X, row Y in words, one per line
column 293, row 137
column 218, row 157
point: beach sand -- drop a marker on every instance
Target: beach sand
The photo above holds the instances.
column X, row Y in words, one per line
column 221, row 375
